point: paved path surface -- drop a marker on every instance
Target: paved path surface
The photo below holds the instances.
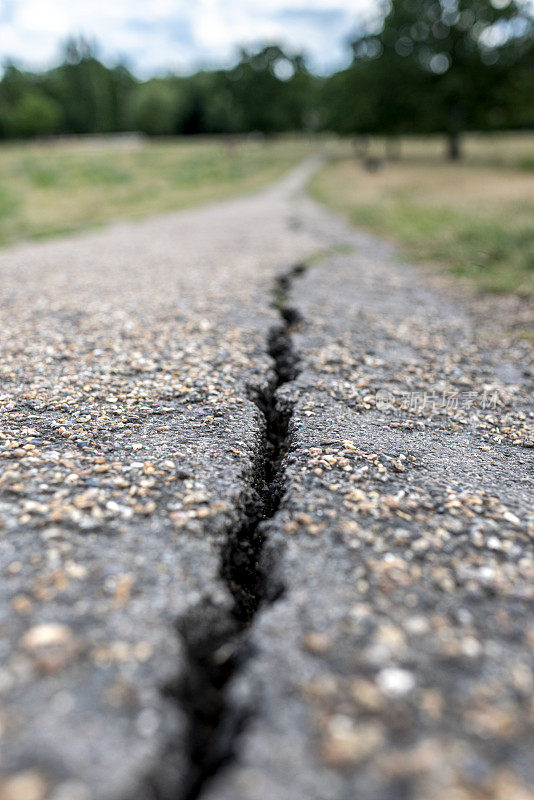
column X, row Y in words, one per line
column 256, row 543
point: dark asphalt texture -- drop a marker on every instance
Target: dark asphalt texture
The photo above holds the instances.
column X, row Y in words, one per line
column 398, row 663
column 391, row 653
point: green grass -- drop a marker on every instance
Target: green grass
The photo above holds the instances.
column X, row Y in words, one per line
column 498, row 255
column 50, row 189
column 475, row 222
column 474, row 219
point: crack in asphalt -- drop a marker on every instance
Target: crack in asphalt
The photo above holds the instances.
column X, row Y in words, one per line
column 214, row 640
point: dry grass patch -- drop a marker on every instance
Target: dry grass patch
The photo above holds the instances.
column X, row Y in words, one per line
column 477, row 221
column 47, row 189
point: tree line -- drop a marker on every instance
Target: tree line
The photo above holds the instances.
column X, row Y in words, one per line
column 428, row 66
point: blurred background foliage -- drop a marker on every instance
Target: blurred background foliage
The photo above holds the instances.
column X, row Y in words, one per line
column 428, row 66
column 423, row 73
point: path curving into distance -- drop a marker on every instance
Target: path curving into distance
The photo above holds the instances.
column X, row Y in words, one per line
column 265, row 519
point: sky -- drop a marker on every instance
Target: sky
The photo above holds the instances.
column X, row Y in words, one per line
column 154, row 36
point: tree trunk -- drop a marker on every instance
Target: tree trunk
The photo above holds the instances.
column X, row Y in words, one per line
column 454, row 150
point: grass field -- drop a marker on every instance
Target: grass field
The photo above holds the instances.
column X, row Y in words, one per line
column 54, row 188
column 475, row 218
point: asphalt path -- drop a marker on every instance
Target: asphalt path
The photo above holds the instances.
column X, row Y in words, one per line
column 265, row 518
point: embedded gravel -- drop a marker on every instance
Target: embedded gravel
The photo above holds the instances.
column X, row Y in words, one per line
column 129, row 444
column 397, row 663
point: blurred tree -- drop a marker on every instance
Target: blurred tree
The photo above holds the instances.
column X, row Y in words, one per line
column 209, row 105
column 34, row 114
column 442, row 65
column 122, row 85
column 222, row 112
column 435, row 65
column 272, row 89
column 154, row 107
column 25, row 109
column 87, row 91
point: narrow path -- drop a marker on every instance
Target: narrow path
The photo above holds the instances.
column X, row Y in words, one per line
column 266, row 530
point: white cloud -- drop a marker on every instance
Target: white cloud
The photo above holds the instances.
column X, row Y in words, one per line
column 178, row 34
